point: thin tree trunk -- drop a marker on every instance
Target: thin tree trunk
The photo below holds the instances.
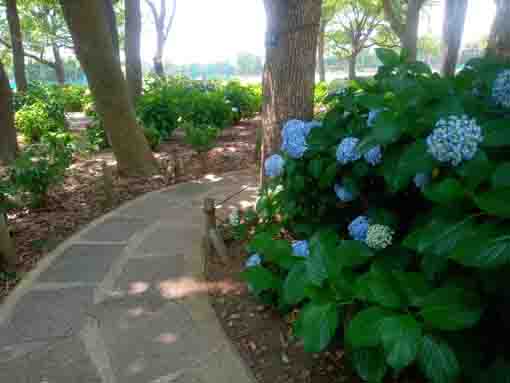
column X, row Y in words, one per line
column 112, row 25
column 158, row 57
column 289, row 73
column 320, row 51
column 499, row 39
column 59, row 66
column 94, row 48
column 410, row 37
column 8, row 140
column 453, row 29
column 18, row 51
column 352, row 67
column 133, row 58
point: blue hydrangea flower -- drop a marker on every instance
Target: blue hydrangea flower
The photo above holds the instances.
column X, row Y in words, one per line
column 379, row 237
column 374, row 156
column 455, row 139
column 274, row 165
column 501, row 89
column 347, row 150
column 253, row 261
column 301, row 249
column 358, row 228
column 372, row 116
column 294, row 138
column 343, row 193
column 311, row 125
column 421, row 180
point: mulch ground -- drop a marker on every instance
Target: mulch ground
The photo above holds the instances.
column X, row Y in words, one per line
column 79, row 199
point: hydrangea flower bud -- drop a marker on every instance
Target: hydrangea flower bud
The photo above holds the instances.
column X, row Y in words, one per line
column 379, row 237
column 358, row 228
column 343, row 193
column 347, row 150
column 253, row 261
column 294, row 138
column 373, row 156
column 274, row 165
column 301, row 249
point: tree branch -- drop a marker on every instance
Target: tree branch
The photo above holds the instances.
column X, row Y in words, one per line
column 30, row 55
column 395, row 22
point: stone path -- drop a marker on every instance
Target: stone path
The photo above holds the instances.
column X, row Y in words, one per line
column 125, row 299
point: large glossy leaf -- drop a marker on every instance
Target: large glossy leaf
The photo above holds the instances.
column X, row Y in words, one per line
column 295, row 284
column 483, row 252
column 437, row 361
column 451, row 309
column 260, row 279
column 501, row 176
column 496, row 133
column 401, row 339
column 447, row 191
column 322, row 246
column 495, row 202
column 386, row 130
column 379, row 288
column 475, row 171
column 363, row 330
column 414, row 286
column 319, row 325
column 370, row 365
column 353, row 253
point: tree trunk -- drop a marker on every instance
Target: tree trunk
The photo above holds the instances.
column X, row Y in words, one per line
column 453, row 29
column 112, row 25
column 410, row 37
column 158, row 57
column 94, row 48
column 8, row 142
column 133, row 58
column 499, row 38
column 289, row 73
column 320, row 51
column 18, row 51
column 352, row 67
column 59, row 65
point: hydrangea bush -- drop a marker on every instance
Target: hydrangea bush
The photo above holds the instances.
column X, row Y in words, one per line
column 390, row 230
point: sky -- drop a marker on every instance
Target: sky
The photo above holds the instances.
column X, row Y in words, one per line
column 208, row 31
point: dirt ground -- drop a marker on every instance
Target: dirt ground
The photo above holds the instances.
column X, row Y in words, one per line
column 80, row 198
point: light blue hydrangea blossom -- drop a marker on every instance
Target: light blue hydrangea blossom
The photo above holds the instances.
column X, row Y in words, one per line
column 343, row 193
column 347, row 150
column 294, row 138
column 379, row 237
column 421, row 180
column 373, row 156
column 274, row 165
column 301, row 249
column 501, row 89
column 455, row 139
column 372, row 116
column 358, row 228
column 253, row 261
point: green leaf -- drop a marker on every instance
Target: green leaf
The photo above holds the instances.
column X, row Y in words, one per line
column 319, row 325
column 495, row 202
column 386, row 130
column 363, row 329
column 370, row 365
column 379, row 287
column 475, row 171
column 437, row 361
column 496, row 133
column 388, row 57
column 483, row 252
column 328, row 176
column 401, row 339
column 501, row 176
column 322, row 246
column 315, row 168
column 371, row 101
column 445, row 192
column 451, row 309
column 413, row 285
column 260, row 279
column 295, row 284
column 353, row 253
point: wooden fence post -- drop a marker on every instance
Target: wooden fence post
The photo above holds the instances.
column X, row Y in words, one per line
column 212, row 239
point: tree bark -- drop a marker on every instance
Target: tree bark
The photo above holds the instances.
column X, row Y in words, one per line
column 112, row 25
column 453, row 29
column 321, row 51
column 352, row 67
column 133, row 58
column 289, row 73
column 59, row 65
column 410, row 37
column 18, row 52
column 94, row 47
column 499, row 38
column 8, row 142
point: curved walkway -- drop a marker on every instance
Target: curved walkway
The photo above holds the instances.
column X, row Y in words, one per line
column 124, row 300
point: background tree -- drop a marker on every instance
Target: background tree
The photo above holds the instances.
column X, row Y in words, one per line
column 359, row 25
column 133, row 33
column 163, row 22
column 429, row 47
column 248, row 63
column 111, row 19
column 329, row 9
column 17, row 45
column 499, row 38
column 8, row 142
column 289, row 73
column 453, row 29
column 94, row 47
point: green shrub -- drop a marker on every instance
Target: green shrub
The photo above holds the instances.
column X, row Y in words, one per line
column 74, row 97
column 96, row 136
column 401, row 208
column 153, row 137
column 200, row 136
column 35, row 120
column 245, row 100
column 321, row 92
column 41, row 166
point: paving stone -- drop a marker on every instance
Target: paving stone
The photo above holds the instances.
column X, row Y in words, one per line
column 188, row 190
column 42, row 315
column 159, row 205
column 172, row 240
column 117, row 229
column 64, row 361
column 82, row 263
column 145, row 275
